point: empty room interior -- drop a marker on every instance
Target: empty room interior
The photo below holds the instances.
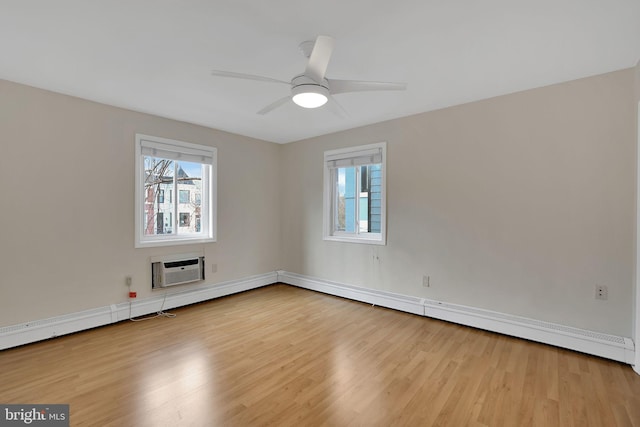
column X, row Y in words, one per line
column 448, row 236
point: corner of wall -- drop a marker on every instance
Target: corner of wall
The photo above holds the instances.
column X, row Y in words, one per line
column 636, row 308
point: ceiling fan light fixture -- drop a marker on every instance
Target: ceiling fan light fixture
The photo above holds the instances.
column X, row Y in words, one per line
column 310, row 96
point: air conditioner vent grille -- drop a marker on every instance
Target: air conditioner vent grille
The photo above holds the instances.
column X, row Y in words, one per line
column 176, row 272
column 183, row 263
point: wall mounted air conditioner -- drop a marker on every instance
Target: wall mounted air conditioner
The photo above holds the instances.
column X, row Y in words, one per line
column 176, row 270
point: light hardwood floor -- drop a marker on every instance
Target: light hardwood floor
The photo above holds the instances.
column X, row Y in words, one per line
column 290, row 357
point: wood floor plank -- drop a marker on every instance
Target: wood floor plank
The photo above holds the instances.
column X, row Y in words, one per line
column 285, row 356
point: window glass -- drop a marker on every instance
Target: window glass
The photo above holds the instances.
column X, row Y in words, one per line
column 354, row 207
column 166, row 167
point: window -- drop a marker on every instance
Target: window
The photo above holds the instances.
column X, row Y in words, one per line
column 184, row 219
column 184, row 196
column 165, row 167
column 354, row 194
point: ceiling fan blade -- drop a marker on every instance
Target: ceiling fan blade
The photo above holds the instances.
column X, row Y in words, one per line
column 336, row 108
column 319, row 59
column 219, row 73
column 343, row 86
column 274, row 105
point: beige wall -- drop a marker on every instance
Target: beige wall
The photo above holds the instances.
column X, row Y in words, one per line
column 66, row 176
column 519, row 204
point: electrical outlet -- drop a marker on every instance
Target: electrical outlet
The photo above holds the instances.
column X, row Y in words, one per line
column 426, row 281
column 214, row 268
column 602, row 292
column 128, row 280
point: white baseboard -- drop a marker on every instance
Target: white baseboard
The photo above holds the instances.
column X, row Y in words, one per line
column 28, row 332
column 371, row 296
column 594, row 343
column 582, row 340
column 166, row 299
column 37, row 330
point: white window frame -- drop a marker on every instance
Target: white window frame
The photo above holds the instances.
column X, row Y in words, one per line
column 346, row 157
column 170, row 148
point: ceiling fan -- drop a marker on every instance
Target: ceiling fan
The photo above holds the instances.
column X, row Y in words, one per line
column 312, row 89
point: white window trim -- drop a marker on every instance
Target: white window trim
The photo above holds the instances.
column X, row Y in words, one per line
column 328, row 194
column 208, row 235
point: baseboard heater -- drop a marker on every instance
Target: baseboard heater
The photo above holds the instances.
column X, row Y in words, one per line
column 177, row 270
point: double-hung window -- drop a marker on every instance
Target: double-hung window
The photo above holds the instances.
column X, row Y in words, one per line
column 354, row 194
column 165, row 167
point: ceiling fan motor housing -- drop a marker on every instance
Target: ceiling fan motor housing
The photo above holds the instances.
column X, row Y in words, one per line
column 315, row 94
column 303, row 80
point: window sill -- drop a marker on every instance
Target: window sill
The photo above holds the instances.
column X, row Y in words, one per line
column 172, row 242
column 361, row 240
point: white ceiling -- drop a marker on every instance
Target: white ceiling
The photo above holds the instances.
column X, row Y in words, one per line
column 155, row 56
